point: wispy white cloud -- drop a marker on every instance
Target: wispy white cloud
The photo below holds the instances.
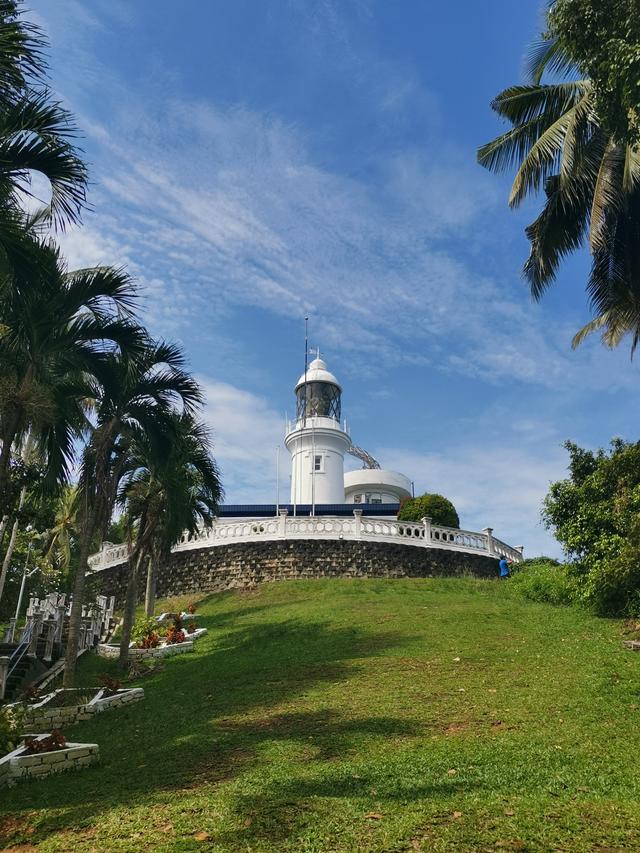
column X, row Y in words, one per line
column 238, row 207
column 492, row 486
column 246, row 433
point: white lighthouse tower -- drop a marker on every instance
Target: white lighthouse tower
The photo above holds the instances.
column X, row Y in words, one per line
column 316, row 440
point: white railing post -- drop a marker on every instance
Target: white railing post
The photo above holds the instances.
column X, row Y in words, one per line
column 427, row 530
column 282, row 524
column 11, row 630
column 488, row 532
column 51, row 633
column 60, row 622
column 4, row 672
column 357, row 514
column 36, row 628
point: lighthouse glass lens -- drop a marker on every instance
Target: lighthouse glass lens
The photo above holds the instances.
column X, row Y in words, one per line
column 321, row 400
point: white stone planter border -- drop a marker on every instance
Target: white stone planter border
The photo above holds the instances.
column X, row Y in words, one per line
column 163, row 618
column 163, row 651
column 17, row 766
column 39, row 715
column 199, row 632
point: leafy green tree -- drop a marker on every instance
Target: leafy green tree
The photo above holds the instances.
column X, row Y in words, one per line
column 603, row 38
column 595, row 514
column 136, row 394
column 61, row 540
column 54, row 330
column 37, row 135
column 591, row 181
column 436, row 507
column 166, row 495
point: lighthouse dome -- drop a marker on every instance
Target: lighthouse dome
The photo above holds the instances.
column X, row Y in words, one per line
column 317, row 372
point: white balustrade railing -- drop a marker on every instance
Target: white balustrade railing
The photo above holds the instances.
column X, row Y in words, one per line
column 355, row 528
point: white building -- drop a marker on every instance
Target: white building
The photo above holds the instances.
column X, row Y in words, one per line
column 317, row 441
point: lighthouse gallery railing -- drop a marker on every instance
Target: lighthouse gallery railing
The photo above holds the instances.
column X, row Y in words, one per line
column 358, row 528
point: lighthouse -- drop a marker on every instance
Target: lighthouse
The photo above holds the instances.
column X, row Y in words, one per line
column 316, row 440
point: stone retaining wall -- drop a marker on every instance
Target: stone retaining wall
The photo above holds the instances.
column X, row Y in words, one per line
column 106, row 651
column 47, row 718
column 75, row 756
column 244, row 565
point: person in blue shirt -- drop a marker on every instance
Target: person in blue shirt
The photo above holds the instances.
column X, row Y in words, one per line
column 504, row 567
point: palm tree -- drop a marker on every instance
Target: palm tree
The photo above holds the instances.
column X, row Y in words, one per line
column 62, row 537
column 135, row 397
column 166, row 495
column 36, row 133
column 592, row 185
column 53, row 330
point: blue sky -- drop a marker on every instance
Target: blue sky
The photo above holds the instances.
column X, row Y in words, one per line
column 252, row 162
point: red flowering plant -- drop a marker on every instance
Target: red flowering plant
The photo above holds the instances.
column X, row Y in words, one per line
column 56, row 740
column 109, row 684
column 145, row 634
column 174, row 635
column 191, row 608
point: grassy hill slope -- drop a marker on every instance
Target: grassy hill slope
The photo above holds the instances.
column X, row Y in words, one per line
column 362, row 715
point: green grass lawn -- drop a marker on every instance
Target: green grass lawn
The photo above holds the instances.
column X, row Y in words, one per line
column 362, row 715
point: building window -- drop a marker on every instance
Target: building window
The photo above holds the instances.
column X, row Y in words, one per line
column 357, row 499
column 376, row 500
column 317, row 463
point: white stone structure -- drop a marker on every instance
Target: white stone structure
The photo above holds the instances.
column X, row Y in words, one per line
column 375, row 486
column 318, row 441
column 355, row 528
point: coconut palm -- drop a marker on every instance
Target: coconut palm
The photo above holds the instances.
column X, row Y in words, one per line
column 36, row 133
column 53, row 329
column 592, row 185
column 135, row 397
column 166, row 496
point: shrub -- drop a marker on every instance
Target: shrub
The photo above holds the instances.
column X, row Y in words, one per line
column 110, row 684
column 191, row 627
column 595, row 515
column 145, row 633
column 174, row 635
column 436, row 507
column 10, row 728
column 544, row 579
column 191, row 608
column 30, row 694
column 149, row 641
column 56, row 740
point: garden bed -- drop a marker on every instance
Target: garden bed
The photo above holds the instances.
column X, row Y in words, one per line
column 65, row 707
column 22, row 764
column 161, row 651
column 194, row 635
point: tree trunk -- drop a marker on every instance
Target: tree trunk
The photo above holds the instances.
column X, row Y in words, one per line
column 12, row 543
column 129, row 610
column 75, row 617
column 150, row 595
column 5, row 455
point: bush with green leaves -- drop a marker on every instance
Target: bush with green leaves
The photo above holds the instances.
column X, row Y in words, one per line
column 145, row 633
column 436, row 507
column 544, row 579
column 10, row 729
column 603, row 39
column 595, row 514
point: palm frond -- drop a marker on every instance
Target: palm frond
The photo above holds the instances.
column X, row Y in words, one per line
column 547, row 56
